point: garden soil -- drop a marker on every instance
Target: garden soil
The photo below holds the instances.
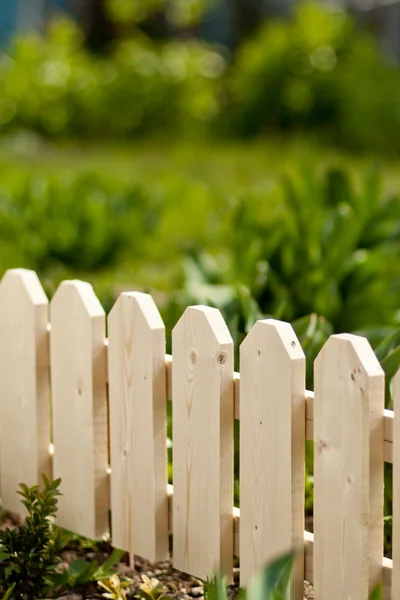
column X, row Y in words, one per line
column 176, row 583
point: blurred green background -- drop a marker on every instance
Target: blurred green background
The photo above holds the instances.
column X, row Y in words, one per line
column 235, row 154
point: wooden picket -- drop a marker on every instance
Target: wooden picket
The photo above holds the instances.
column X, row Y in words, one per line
column 352, row 431
column 137, row 390
column 24, row 384
column 202, row 392
column 79, row 401
column 272, row 434
column 348, row 469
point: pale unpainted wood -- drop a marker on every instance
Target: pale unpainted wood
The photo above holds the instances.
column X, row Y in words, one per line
column 396, row 491
column 202, row 391
column 79, row 398
column 24, row 387
column 272, row 449
column 348, row 469
column 309, row 401
column 386, row 563
column 138, row 431
column 309, row 575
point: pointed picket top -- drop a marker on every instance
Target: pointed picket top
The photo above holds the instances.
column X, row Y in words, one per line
column 142, row 302
column 79, row 400
column 348, row 469
column 396, row 490
column 80, row 292
column 137, row 400
column 208, row 317
column 278, row 333
column 24, row 279
column 272, row 438
column 358, row 349
column 24, row 391
column 202, row 392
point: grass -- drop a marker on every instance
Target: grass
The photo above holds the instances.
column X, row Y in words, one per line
column 233, row 166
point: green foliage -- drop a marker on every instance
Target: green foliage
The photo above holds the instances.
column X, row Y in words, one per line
column 151, row 589
column 78, row 223
column 388, row 352
column 216, row 588
column 81, row 571
column 377, row 593
column 316, row 72
column 8, row 593
column 271, row 583
column 315, row 251
column 27, row 552
column 54, row 86
column 115, row 588
column 181, row 13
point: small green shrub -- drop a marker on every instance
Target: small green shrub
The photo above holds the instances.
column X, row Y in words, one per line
column 27, row 553
column 30, row 553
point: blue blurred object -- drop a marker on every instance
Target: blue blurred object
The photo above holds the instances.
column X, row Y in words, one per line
column 8, row 21
column 27, row 14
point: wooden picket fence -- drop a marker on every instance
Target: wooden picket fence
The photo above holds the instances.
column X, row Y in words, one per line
column 108, row 421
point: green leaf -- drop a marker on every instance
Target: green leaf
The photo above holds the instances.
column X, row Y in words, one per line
column 272, row 582
column 389, row 343
column 377, row 593
column 216, row 589
column 8, row 593
column 114, row 558
column 81, row 571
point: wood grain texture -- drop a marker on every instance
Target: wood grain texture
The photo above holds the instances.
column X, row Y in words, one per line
column 396, row 490
column 25, row 386
column 202, row 390
column 348, row 469
column 309, row 401
column 386, row 565
column 79, row 395
column 272, row 449
column 138, row 430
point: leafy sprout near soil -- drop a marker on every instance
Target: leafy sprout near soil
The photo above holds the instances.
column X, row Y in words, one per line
column 29, row 554
column 272, row 582
column 151, row 589
column 81, row 571
column 115, row 588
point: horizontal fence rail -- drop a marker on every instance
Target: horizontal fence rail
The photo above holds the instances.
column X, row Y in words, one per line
column 108, row 416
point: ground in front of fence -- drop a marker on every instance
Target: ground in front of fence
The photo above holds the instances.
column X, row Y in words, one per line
column 176, row 584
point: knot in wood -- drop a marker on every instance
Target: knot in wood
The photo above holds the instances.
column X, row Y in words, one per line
column 193, row 357
column 221, row 358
